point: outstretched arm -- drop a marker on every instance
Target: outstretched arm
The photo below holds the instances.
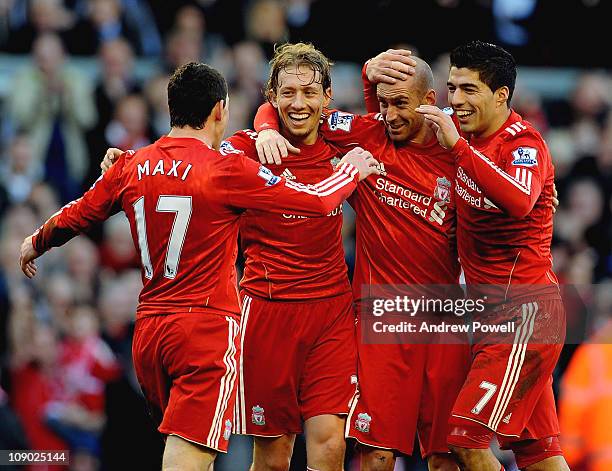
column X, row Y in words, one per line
column 95, row 206
column 246, row 184
column 516, row 193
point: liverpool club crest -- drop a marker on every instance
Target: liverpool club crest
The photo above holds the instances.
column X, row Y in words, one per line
column 362, row 424
column 442, row 191
column 258, row 415
column 228, row 430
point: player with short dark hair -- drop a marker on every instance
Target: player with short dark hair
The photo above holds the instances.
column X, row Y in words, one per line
column 184, row 196
column 187, row 105
column 504, row 183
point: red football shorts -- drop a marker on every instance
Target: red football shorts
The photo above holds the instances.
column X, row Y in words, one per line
column 405, row 389
column 186, row 364
column 298, row 361
column 509, row 387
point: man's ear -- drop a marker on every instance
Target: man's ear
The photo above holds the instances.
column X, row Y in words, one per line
column 430, row 97
column 272, row 99
column 218, row 110
column 501, row 95
column 327, row 97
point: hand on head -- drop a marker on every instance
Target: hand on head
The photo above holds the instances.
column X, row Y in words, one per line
column 391, row 66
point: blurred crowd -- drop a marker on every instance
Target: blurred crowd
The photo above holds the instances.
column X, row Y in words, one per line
column 66, row 376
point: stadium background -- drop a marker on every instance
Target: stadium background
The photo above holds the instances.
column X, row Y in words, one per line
column 77, row 76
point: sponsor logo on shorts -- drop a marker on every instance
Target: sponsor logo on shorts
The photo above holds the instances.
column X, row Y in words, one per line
column 228, row 429
column 362, row 424
column 258, row 416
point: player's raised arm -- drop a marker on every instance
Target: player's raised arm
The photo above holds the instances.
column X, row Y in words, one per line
column 515, row 193
column 249, row 185
column 95, row 206
column 387, row 67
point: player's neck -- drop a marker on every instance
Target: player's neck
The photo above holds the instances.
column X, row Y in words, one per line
column 205, row 135
column 496, row 124
column 423, row 136
column 308, row 140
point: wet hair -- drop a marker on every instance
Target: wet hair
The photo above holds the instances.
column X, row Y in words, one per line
column 298, row 54
column 495, row 66
column 193, row 91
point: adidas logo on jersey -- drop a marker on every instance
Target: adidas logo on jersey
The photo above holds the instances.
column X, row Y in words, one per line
column 507, row 418
column 381, row 169
column 288, row 175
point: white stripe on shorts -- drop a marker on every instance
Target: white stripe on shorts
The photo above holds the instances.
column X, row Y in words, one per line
column 515, row 363
column 226, row 384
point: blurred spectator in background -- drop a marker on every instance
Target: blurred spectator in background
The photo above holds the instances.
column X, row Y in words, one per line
column 44, row 16
column 116, row 79
column 266, row 23
column 104, row 21
column 82, row 264
column 117, row 251
column 129, row 127
column 156, row 93
column 181, row 48
column 53, row 104
column 585, row 409
column 36, row 378
column 19, row 173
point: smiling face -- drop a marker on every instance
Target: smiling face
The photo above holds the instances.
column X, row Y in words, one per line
column 397, row 106
column 300, row 99
column 480, row 110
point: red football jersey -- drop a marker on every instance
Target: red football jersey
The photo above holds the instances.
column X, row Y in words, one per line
column 504, row 186
column 288, row 256
column 184, row 200
column 406, row 216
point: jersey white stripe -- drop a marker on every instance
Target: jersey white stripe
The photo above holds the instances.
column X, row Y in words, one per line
column 511, row 131
column 343, row 180
column 340, row 170
column 529, row 175
column 314, row 189
column 517, row 127
column 331, row 182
